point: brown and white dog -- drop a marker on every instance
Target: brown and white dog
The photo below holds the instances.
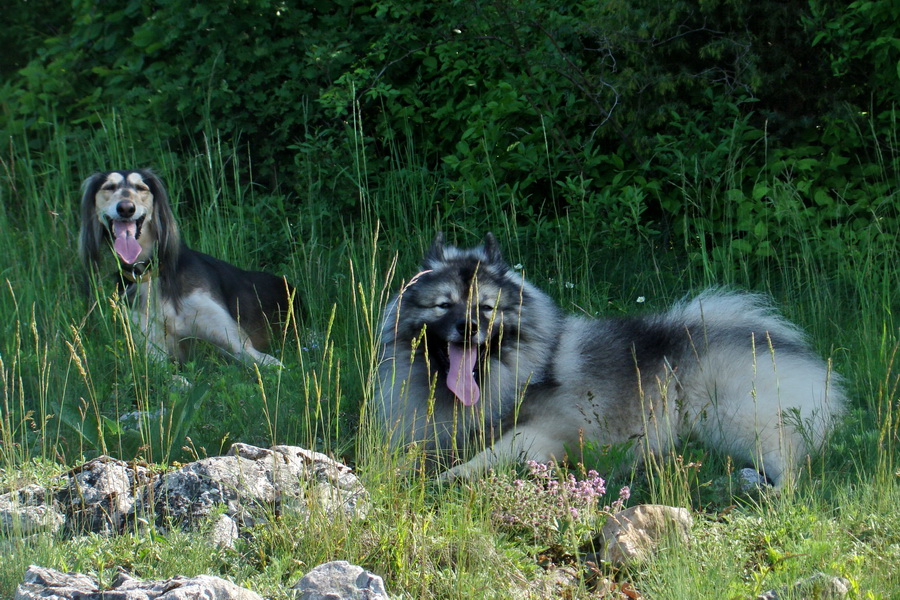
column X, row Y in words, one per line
column 177, row 294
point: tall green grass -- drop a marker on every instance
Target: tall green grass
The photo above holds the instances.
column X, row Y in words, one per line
column 70, row 367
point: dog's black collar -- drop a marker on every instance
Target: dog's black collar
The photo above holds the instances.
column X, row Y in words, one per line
column 139, row 271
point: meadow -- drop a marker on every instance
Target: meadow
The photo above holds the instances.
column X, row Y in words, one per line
column 70, row 368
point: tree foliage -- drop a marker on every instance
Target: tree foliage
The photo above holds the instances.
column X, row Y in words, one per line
column 604, row 110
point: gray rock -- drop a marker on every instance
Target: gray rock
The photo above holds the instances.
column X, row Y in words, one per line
column 41, row 583
column 29, row 510
column 815, row 587
column 339, row 580
column 270, row 481
column 752, row 481
column 224, row 532
column 190, row 494
column 632, row 535
column 48, row 584
column 100, row 494
column 207, row 587
column 329, row 483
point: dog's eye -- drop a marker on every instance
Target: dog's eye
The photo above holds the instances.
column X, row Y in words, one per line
column 487, row 308
column 142, row 188
column 443, row 305
column 108, row 186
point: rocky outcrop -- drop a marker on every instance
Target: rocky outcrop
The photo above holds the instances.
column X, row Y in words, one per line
column 337, row 580
column 252, row 482
column 48, row 584
column 249, row 484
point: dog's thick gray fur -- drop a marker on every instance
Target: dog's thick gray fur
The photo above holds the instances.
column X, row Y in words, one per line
column 723, row 366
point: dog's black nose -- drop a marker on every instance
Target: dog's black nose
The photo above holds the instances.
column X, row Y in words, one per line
column 466, row 328
column 125, row 209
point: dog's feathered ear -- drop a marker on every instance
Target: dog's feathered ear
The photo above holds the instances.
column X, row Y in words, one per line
column 492, row 249
column 91, row 228
column 168, row 238
column 435, row 254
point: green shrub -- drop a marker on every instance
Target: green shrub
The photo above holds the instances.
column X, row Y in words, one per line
column 589, row 119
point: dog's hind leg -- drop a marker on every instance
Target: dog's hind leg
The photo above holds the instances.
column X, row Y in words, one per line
column 204, row 318
column 523, row 444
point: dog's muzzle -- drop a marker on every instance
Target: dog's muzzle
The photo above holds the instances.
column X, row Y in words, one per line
column 125, row 233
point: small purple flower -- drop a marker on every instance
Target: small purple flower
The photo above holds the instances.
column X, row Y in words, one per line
column 549, row 501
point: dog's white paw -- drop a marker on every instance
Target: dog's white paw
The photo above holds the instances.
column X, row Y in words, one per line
column 267, row 361
column 275, row 364
column 457, row 474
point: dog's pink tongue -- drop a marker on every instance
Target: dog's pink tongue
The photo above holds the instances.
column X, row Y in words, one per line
column 461, row 378
column 126, row 244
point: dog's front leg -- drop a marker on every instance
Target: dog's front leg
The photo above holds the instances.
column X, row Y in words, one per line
column 523, row 444
column 145, row 316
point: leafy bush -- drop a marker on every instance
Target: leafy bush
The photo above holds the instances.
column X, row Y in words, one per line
column 589, row 119
column 179, row 69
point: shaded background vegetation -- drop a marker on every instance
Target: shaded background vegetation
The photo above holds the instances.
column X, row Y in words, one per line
column 604, row 110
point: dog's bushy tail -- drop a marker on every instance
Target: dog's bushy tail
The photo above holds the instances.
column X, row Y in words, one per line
column 758, row 390
column 718, row 309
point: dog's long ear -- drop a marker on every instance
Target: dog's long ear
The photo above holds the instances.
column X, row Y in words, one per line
column 168, row 238
column 91, row 229
column 492, row 249
column 435, row 254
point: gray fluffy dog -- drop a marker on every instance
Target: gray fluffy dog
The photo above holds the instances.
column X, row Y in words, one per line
column 481, row 366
